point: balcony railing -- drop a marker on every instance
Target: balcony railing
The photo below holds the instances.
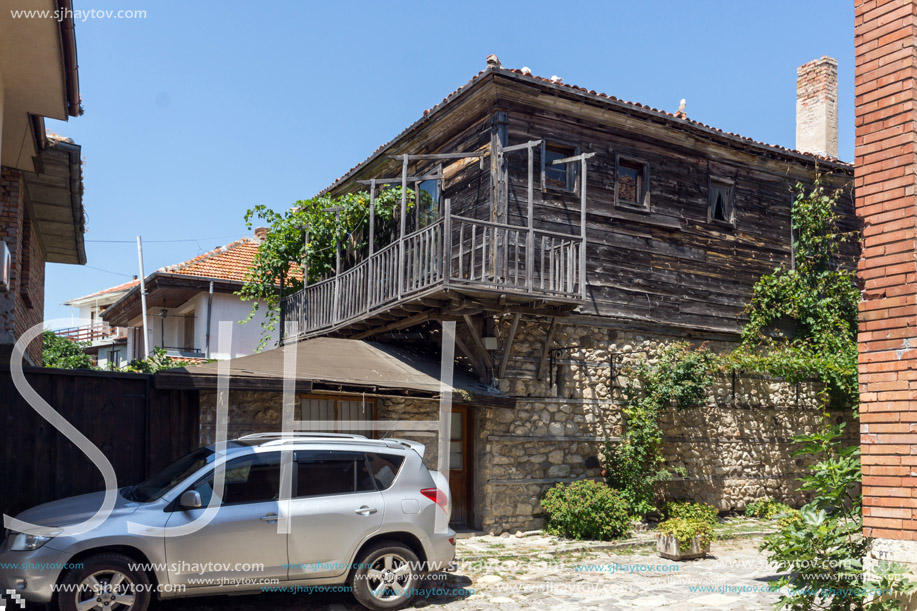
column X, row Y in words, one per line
column 87, row 333
column 453, row 252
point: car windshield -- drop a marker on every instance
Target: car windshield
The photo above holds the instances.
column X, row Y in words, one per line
column 169, row 477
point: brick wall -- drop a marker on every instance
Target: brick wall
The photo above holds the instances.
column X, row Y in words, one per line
column 23, row 305
column 886, row 160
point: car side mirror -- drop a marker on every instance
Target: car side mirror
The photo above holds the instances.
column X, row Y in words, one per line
column 190, row 499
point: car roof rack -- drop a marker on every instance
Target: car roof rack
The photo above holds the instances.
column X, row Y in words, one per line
column 298, row 435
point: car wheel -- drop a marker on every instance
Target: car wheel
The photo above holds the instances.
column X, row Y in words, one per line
column 105, row 583
column 386, row 576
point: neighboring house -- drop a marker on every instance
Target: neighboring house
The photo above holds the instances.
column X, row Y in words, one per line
column 107, row 345
column 186, row 302
column 556, row 288
column 41, row 208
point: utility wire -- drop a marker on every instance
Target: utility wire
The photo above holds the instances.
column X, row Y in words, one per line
column 108, row 271
column 219, row 237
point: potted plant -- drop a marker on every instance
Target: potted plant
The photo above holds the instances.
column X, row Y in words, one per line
column 683, row 538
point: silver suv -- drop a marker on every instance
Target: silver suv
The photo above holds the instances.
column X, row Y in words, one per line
column 362, row 513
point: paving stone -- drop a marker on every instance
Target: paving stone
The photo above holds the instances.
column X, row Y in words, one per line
column 540, row 572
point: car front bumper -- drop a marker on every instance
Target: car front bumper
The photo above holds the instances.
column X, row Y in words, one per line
column 31, row 575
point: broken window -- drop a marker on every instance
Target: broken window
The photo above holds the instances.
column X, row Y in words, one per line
column 562, row 175
column 721, row 201
column 631, row 183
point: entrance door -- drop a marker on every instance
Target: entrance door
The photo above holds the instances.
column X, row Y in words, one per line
column 460, row 464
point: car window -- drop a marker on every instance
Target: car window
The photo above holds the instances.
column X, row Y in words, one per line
column 248, row 479
column 172, row 475
column 384, row 468
column 321, row 472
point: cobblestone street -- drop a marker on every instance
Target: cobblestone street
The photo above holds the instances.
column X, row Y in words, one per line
column 540, row 572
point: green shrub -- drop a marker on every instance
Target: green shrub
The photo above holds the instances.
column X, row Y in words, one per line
column 820, row 549
column 766, row 508
column 586, row 510
column 685, row 529
column 690, row 510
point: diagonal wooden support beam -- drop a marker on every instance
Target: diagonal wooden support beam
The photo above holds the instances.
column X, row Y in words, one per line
column 478, row 342
column 509, row 344
column 475, row 361
column 547, row 348
column 400, row 323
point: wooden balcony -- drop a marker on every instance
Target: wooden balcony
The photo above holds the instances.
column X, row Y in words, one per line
column 91, row 333
column 455, row 260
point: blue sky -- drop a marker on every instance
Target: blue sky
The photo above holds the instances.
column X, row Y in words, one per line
column 201, row 110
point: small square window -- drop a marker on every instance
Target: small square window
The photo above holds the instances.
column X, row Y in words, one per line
column 720, row 204
column 632, row 183
column 561, row 176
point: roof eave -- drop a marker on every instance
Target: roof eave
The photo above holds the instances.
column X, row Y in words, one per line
column 477, row 81
column 68, row 51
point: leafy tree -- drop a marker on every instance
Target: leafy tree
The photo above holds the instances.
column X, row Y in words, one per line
column 280, row 255
column 62, row 353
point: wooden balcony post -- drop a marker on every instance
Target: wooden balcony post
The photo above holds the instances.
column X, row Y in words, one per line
column 404, row 205
column 372, row 238
column 447, row 241
column 530, row 236
column 582, row 231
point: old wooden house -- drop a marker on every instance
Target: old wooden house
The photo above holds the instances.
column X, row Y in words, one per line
column 569, row 233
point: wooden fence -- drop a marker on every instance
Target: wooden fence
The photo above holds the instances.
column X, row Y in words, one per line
column 139, row 428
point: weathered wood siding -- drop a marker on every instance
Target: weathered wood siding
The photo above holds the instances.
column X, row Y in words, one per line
column 668, row 265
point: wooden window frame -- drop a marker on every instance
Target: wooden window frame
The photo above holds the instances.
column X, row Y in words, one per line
column 337, row 398
column 717, row 182
column 645, row 187
column 573, row 173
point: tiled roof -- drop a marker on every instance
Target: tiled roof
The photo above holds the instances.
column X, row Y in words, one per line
column 526, row 75
column 115, row 289
column 229, row 262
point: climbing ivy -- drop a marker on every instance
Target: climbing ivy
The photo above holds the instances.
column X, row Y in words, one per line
column 802, row 319
column 678, row 379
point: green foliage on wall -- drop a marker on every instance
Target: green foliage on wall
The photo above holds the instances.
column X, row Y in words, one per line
column 679, row 379
column 802, row 320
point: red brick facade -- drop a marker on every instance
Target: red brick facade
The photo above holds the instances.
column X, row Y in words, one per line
column 23, row 305
column 886, row 201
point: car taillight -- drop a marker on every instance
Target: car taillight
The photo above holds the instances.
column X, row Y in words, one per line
column 437, row 496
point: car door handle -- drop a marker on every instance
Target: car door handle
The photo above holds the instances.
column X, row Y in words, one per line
column 365, row 511
column 271, row 517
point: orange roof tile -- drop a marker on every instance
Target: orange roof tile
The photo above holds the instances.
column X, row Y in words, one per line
column 229, row 262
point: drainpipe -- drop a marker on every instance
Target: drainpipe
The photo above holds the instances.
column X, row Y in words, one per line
column 209, row 308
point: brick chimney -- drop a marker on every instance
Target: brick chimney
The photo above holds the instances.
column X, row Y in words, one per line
column 885, row 38
column 816, row 107
column 260, row 233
